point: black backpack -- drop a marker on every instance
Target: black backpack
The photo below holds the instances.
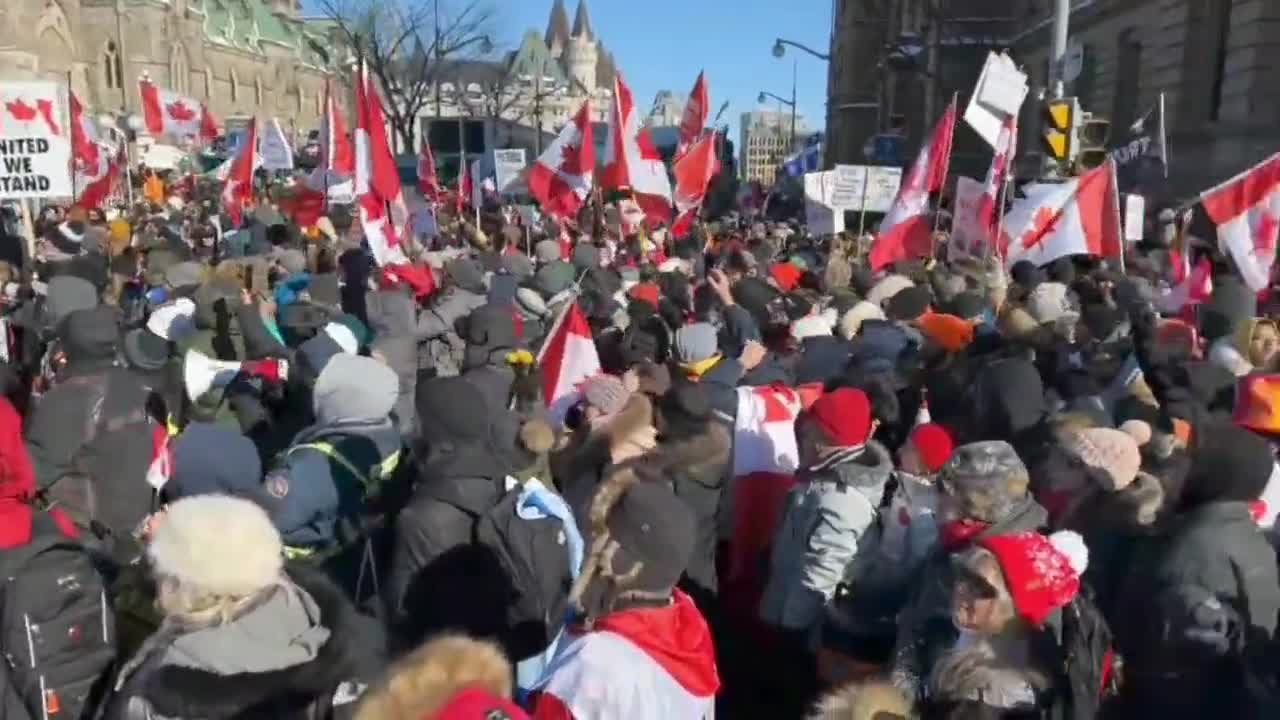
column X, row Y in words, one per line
column 534, row 556
column 1088, row 666
column 57, row 628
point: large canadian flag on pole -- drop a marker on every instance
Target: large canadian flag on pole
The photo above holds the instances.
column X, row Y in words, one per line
column 631, row 160
column 238, row 190
column 695, row 114
column 1078, row 217
column 905, row 232
column 1246, row 209
column 96, row 185
column 428, row 180
column 377, row 183
column 694, row 172
column 166, row 112
column 84, row 136
column 561, row 177
column 1006, row 145
column 567, row 358
column 336, row 153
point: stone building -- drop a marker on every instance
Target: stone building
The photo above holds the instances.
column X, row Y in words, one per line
column 1216, row 61
column 765, row 141
column 240, row 57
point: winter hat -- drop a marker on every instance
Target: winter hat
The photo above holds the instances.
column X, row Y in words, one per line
column 89, row 334
column 173, row 321
column 1113, row 453
column 605, row 393
column 66, row 294
column 696, row 343
column 490, row 327
column 1049, row 303
column 211, row 459
column 888, row 286
column 518, row 264
column 465, row 273
column 217, row 545
column 967, row 305
column 1139, row 430
column 934, row 445
column 948, row 332
column 353, row 387
column 1041, row 573
column 553, row 278
column 785, row 275
column 987, row 478
column 810, row 326
column 683, row 411
column 851, row 321
column 1258, row 404
column 184, row 275
column 584, row 256
column 646, row 292
column 546, row 251
column 145, row 350
column 452, row 410
column 844, row 415
column 908, row 304
column 478, row 704
column 1228, row 463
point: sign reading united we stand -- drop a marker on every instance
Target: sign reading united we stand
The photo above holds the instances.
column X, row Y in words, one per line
column 35, row 142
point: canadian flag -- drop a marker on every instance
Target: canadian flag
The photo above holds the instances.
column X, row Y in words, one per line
column 465, row 187
column 377, row 183
column 166, row 112
column 238, row 190
column 1246, row 209
column 1196, row 287
column 905, row 232
column 1078, row 217
column 84, row 146
column 428, row 181
column 96, row 184
column 694, row 171
column 996, row 176
column 561, row 177
column 632, row 161
column 567, row 359
column 695, row 114
column 336, row 153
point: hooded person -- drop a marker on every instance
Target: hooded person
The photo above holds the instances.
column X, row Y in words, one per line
column 490, row 334
column 90, row 435
column 639, row 648
column 335, row 468
column 209, row 459
column 461, row 474
column 464, row 291
column 1253, row 346
column 452, row 677
column 392, row 316
column 1204, row 596
column 242, row 634
column 984, row 494
column 822, row 356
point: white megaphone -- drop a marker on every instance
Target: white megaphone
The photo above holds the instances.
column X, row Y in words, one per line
column 201, row 373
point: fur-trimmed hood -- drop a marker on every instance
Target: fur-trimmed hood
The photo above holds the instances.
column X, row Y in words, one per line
column 425, row 680
column 701, row 457
column 351, row 654
column 587, row 449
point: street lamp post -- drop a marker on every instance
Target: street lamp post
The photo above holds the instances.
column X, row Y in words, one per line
column 764, row 95
column 780, row 49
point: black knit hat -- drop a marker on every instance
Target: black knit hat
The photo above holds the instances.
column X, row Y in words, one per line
column 908, row 304
column 1228, row 463
column 683, row 411
column 654, row 528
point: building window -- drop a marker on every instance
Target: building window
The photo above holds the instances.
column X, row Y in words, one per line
column 235, row 86
column 302, row 100
column 1220, row 30
column 257, row 90
column 208, row 84
column 1124, row 108
column 179, row 73
column 319, row 104
column 112, row 68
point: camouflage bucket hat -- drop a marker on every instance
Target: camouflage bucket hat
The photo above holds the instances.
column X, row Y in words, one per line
column 987, row 479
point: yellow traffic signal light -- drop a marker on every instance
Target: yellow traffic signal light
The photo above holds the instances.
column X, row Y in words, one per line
column 1059, row 139
column 1093, row 133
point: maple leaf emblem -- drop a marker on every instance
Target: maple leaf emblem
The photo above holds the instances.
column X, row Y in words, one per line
column 1264, row 242
column 571, row 159
column 20, row 111
column 180, row 112
column 1043, row 221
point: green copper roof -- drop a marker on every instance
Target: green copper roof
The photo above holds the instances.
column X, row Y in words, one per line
column 249, row 25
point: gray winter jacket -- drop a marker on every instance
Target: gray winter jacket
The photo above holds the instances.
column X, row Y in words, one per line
column 828, row 519
column 392, row 319
column 441, row 347
column 925, row 627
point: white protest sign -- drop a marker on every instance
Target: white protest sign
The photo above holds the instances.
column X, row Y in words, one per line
column 849, row 182
column 1000, row 92
column 1135, row 211
column 35, row 142
column 882, row 188
column 274, row 148
column 968, row 236
column 820, row 186
column 823, row 220
column 507, row 165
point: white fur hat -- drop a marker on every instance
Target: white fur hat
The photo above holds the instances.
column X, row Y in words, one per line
column 810, row 326
column 851, row 321
column 217, row 544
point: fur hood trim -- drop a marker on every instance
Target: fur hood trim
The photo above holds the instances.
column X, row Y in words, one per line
column 588, row 448
column 864, row 701
column 183, row 692
column 423, row 682
column 598, row 561
column 702, row 456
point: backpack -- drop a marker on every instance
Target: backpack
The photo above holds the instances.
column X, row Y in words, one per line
column 57, row 628
column 1087, row 665
column 533, row 555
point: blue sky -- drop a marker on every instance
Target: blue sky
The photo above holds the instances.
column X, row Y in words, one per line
column 662, row 44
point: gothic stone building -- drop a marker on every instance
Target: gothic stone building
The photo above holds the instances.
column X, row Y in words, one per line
column 241, row 57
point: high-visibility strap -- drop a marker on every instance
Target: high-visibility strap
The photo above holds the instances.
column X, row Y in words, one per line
column 298, row 553
column 383, row 470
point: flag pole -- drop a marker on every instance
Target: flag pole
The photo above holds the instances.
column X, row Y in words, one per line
column 1164, row 139
column 862, row 209
column 1115, row 192
column 946, row 170
column 70, row 130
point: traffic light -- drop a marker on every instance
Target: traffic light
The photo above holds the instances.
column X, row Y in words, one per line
column 1060, row 117
column 1092, row 132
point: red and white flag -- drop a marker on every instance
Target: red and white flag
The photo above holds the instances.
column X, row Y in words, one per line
column 84, row 136
column 465, row 187
column 166, row 112
column 561, row 177
column 377, row 183
column 238, row 190
column 631, row 161
column 1246, row 209
column 695, row 114
column 97, row 185
column 428, row 181
column 905, row 232
column 1196, row 287
column 336, row 154
column 694, row 171
column 1006, row 145
column 1078, row 217
column 567, row 358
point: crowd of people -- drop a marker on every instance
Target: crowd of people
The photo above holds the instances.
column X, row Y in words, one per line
column 245, row 472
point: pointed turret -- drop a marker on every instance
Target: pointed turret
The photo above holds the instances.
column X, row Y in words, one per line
column 558, row 28
column 582, row 22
